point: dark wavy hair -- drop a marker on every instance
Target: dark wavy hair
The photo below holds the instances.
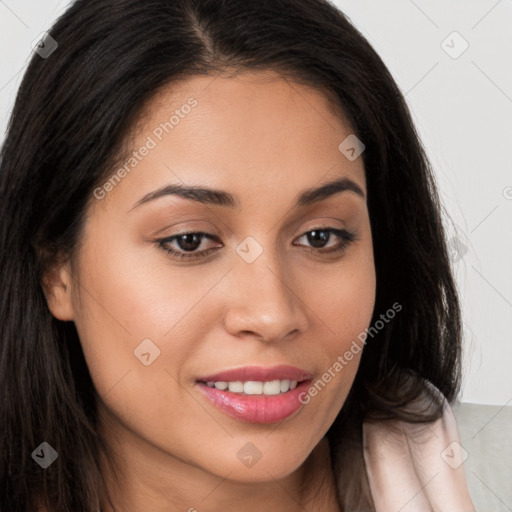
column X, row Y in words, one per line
column 74, row 111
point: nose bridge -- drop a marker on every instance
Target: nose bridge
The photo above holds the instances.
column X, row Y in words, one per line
column 264, row 301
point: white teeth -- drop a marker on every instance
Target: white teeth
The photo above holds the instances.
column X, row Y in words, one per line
column 236, row 387
column 272, row 388
column 251, row 387
column 285, row 385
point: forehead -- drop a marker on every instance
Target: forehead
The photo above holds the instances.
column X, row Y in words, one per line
column 255, row 130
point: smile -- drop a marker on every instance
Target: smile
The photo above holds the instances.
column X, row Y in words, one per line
column 256, row 394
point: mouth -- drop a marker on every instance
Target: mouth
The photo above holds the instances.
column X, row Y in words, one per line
column 257, row 394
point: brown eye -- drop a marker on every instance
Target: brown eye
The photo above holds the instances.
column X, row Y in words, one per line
column 185, row 242
column 319, row 237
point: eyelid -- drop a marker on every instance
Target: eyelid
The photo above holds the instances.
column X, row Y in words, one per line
column 193, row 226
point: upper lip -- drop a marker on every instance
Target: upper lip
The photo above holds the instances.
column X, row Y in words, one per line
column 259, row 374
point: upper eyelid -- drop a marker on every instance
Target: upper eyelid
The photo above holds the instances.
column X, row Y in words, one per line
column 325, row 223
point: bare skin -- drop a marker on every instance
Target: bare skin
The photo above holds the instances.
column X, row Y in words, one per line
column 264, row 140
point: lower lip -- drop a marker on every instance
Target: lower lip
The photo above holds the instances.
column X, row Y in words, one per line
column 256, row 408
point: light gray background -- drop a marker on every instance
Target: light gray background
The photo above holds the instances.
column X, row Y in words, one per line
column 463, row 110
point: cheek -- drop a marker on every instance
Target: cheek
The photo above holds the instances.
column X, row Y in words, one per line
column 123, row 312
column 343, row 300
column 343, row 303
column 135, row 331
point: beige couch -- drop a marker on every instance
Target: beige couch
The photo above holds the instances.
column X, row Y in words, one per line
column 486, row 434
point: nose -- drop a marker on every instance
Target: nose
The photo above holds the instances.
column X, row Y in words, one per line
column 264, row 301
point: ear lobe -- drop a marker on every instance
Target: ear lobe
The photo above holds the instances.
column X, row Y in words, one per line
column 56, row 284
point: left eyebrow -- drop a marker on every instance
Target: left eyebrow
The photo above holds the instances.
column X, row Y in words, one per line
column 222, row 198
column 313, row 195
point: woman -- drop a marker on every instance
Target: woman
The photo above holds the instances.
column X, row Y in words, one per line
column 225, row 278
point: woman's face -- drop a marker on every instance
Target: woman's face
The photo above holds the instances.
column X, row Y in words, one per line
column 257, row 290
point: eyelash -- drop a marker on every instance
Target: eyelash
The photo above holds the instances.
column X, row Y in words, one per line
column 347, row 237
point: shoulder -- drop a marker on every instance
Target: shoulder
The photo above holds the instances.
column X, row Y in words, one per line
column 416, row 467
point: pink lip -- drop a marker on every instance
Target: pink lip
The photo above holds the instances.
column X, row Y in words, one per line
column 257, row 408
column 259, row 374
